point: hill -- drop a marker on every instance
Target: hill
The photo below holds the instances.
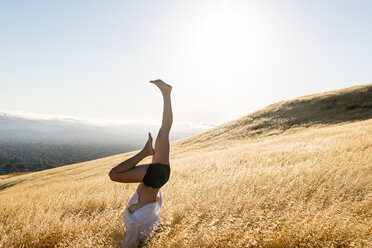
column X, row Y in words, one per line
column 323, row 109
column 304, row 181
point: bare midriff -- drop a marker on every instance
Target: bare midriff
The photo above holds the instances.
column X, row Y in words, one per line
column 146, row 195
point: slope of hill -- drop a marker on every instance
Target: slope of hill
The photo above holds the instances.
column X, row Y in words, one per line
column 329, row 108
column 308, row 186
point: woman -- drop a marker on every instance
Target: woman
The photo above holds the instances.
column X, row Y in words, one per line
column 141, row 215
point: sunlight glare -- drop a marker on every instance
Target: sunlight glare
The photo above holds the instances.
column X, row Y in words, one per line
column 228, row 39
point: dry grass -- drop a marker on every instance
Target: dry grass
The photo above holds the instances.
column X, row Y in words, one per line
column 14, row 174
column 305, row 187
column 323, row 109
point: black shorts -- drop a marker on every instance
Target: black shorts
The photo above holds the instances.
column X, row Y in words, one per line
column 157, row 175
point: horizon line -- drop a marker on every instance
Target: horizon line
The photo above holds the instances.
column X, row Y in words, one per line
column 98, row 121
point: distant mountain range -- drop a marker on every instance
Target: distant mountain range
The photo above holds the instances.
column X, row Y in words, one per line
column 15, row 127
column 32, row 143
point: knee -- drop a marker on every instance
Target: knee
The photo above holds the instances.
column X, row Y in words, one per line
column 164, row 132
column 117, row 177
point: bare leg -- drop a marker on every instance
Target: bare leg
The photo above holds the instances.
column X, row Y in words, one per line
column 127, row 171
column 161, row 154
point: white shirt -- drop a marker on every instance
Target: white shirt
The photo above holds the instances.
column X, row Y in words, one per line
column 142, row 224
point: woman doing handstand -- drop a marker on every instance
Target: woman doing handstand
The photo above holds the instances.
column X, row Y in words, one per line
column 141, row 215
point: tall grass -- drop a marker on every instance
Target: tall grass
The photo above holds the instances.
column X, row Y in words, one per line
column 307, row 187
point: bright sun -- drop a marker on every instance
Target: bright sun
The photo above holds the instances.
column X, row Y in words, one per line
column 229, row 37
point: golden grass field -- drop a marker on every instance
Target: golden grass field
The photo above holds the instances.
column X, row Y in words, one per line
column 279, row 177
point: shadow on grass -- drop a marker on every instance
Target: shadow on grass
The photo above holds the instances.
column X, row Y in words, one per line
column 8, row 185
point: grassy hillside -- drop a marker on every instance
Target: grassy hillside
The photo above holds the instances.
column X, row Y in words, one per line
column 296, row 180
column 323, row 109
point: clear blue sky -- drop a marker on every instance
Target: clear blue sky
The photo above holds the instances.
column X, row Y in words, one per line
column 225, row 59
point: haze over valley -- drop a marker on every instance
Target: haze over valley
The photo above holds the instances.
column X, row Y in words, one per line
column 30, row 142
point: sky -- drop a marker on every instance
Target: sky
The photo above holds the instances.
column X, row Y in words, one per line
column 225, row 59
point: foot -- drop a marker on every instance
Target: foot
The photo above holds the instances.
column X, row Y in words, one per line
column 165, row 88
column 148, row 149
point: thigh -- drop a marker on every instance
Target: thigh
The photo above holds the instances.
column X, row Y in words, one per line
column 134, row 175
column 162, row 147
